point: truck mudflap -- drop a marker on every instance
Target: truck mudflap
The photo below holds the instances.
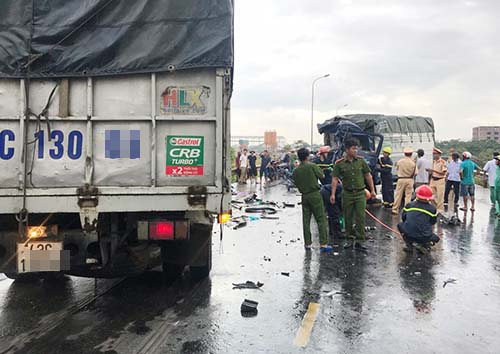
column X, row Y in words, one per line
column 196, row 253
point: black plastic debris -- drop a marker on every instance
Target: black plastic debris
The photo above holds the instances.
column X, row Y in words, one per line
column 248, row 285
column 270, row 217
column 449, row 281
column 241, row 223
column 286, row 274
column 249, row 308
column 267, row 259
column 288, row 205
column 450, row 220
column 251, row 199
column 261, row 209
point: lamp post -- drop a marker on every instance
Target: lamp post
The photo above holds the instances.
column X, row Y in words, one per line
column 312, row 105
column 337, row 110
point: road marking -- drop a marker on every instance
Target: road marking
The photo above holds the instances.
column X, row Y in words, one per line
column 305, row 329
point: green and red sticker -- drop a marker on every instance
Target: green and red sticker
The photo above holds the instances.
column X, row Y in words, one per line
column 184, row 155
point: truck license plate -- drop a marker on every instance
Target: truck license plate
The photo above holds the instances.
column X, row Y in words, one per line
column 41, row 257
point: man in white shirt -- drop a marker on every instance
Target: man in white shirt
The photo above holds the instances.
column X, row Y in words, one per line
column 244, row 166
column 490, row 168
column 422, row 176
column 453, row 180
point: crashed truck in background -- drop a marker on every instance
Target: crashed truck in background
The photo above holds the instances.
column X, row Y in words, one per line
column 374, row 131
column 114, row 135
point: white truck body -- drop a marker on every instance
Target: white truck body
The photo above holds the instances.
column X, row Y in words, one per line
column 114, row 134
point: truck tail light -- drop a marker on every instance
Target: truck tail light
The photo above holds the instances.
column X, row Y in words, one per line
column 161, row 230
column 166, row 230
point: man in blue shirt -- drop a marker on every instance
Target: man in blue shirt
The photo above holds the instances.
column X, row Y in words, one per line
column 467, row 189
column 264, row 166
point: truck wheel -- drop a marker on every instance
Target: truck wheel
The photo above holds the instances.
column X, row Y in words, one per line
column 28, row 278
column 172, row 271
column 199, row 273
column 202, row 272
column 202, row 246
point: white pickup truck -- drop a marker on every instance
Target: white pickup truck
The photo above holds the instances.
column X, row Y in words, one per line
column 109, row 172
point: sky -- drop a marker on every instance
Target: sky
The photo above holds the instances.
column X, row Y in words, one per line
column 439, row 59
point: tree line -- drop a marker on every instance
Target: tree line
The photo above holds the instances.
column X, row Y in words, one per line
column 481, row 150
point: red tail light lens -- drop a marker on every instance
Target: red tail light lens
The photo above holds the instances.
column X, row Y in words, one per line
column 161, row 230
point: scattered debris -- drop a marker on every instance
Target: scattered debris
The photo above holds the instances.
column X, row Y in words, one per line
column 253, row 218
column 370, row 228
column 261, row 209
column 269, row 217
column 449, row 281
column 241, row 223
column 248, row 285
column 267, row 259
column 450, row 220
column 249, row 308
column 286, row 274
column 288, row 205
column 417, row 273
column 251, row 199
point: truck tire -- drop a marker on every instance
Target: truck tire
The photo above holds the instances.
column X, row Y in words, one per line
column 201, row 272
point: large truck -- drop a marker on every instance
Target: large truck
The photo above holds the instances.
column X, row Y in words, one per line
column 114, row 135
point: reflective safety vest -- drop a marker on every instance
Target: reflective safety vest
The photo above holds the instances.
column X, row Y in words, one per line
column 419, row 218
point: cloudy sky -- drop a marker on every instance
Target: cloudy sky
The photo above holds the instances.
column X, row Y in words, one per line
column 422, row 57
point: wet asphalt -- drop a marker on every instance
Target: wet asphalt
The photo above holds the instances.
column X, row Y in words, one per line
column 379, row 301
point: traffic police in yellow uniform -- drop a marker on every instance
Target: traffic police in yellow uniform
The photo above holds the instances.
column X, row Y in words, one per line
column 438, row 182
column 406, row 171
column 352, row 171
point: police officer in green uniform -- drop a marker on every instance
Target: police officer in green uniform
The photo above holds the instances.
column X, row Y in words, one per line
column 306, row 177
column 353, row 171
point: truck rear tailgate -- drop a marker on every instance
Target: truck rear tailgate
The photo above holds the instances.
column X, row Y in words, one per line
column 145, row 135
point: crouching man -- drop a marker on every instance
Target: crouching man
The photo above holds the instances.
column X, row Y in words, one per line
column 419, row 218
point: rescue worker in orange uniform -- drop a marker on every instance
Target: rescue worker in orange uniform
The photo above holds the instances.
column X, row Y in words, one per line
column 404, row 187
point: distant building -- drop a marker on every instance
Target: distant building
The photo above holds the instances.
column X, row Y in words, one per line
column 486, row 133
column 236, row 140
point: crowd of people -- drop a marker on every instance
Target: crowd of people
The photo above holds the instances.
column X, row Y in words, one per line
column 424, row 189
column 262, row 168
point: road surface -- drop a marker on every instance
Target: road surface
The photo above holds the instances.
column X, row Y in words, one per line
column 381, row 301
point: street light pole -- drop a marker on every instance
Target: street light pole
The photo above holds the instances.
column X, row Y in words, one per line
column 312, row 105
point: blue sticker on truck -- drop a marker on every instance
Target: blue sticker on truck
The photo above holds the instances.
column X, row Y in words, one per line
column 59, row 145
column 123, row 144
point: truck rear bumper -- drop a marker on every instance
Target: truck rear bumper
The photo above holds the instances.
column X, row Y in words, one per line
column 111, row 203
